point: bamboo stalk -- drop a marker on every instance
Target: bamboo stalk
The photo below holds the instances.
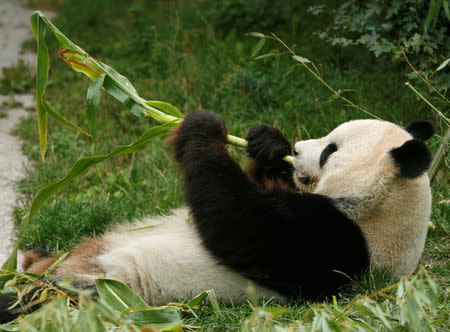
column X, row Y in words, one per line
column 440, row 155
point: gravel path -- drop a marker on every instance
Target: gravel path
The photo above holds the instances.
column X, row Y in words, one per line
column 12, row 166
column 14, row 29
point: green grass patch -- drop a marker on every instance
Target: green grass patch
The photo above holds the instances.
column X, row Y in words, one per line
column 16, row 79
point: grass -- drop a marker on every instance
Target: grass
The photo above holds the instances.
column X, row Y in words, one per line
column 16, row 79
column 171, row 52
column 7, row 105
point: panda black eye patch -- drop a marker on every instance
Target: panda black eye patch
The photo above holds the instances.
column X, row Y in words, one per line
column 329, row 149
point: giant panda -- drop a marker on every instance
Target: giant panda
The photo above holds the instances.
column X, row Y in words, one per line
column 353, row 200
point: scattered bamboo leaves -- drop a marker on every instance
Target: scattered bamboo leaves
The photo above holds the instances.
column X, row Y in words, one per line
column 412, row 304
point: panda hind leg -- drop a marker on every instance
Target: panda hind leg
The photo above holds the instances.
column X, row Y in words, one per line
column 79, row 264
column 37, row 261
column 80, row 261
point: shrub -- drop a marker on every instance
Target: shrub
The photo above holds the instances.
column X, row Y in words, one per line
column 388, row 27
column 247, row 15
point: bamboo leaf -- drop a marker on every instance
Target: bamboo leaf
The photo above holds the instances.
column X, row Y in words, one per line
column 118, row 296
column 119, row 77
column 123, row 299
column 165, row 107
column 300, row 59
column 167, row 319
column 446, row 9
column 258, row 46
column 264, row 56
column 196, row 300
column 92, row 103
column 443, row 64
column 116, row 84
column 4, row 278
column 135, row 108
column 58, row 117
column 115, row 91
column 81, row 63
column 257, row 34
column 213, row 300
column 374, row 308
column 43, row 64
column 62, row 39
column 433, row 12
column 11, row 262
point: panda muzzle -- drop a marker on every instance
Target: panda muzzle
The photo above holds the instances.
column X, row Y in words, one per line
column 305, row 179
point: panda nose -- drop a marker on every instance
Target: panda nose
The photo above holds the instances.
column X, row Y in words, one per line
column 305, row 179
column 295, row 152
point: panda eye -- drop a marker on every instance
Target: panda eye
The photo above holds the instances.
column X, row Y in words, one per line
column 329, row 149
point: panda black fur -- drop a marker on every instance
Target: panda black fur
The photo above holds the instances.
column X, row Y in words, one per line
column 365, row 201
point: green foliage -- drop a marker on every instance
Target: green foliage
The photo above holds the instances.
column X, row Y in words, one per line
column 388, row 27
column 252, row 15
column 256, row 83
column 16, row 79
column 436, row 6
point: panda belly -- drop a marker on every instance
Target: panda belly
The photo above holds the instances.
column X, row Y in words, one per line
column 168, row 262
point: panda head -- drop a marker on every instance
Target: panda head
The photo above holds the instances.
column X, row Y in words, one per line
column 374, row 172
column 361, row 161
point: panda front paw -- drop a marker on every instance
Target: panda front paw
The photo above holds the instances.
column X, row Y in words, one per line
column 267, row 144
column 199, row 129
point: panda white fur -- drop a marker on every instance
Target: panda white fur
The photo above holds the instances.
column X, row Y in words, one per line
column 364, row 201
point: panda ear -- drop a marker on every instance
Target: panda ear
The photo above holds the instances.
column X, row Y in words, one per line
column 412, row 158
column 421, row 129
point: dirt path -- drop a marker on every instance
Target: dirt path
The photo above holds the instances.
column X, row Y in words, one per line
column 12, row 166
column 14, row 29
